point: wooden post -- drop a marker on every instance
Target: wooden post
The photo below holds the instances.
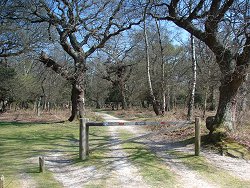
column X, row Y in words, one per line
column 197, row 136
column 87, row 139
column 41, row 164
column 83, row 139
column 2, row 182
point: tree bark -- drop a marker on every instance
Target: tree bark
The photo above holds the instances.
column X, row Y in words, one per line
column 78, row 96
column 168, row 106
column 124, row 102
column 38, row 107
column 243, row 96
column 205, row 103
column 163, row 95
column 211, row 99
column 98, row 105
column 226, row 112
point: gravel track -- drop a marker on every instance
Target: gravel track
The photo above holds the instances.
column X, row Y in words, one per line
column 236, row 167
column 122, row 173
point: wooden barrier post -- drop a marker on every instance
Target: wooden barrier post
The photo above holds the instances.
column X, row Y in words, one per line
column 197, row 136
column 2, row 182
column 87, row 138
column 83, row 139
column 41, row 164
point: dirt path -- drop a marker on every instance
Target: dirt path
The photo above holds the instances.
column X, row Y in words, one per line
column 67, row 174
column 186, row 177
column 27, row 181
column 236, row 167
column 125, row 172
column 122, row 173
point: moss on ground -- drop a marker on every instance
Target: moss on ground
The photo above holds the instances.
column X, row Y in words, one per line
column 234, row 149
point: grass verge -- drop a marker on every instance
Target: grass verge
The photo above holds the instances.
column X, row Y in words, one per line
column 208, row 171
column 150, row 166
column 22, row 143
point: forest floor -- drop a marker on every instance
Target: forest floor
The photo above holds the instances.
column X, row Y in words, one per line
column 119, row 156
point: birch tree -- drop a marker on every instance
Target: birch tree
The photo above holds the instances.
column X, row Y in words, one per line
column 194, row 77
column 150, row 88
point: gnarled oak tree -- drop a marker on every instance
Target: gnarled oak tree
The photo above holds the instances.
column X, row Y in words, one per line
column 83, row 26
column 223, row 25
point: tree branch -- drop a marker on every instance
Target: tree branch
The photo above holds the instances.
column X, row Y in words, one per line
column 194, row 13
column 244, row 57
column 48, row 62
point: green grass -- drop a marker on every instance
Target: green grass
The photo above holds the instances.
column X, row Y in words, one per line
column 46, row 180
column 152, row 168
column 21, row 141
column 208, row 171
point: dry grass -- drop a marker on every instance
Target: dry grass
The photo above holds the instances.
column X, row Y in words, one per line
column 30, row 116
column 45, row 117
column 240, row 135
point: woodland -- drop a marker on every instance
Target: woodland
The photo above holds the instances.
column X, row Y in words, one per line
column 161, row 55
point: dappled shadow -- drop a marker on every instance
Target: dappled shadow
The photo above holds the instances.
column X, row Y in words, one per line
column 21, row 148
column 170, row 143
column 22, row 123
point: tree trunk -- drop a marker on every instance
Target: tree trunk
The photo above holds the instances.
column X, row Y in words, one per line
column 205, row 103
column 98, row 105
column 226, row 113
column 151, row 93
column 168, row 106
column 211, row 99
column 38, row 106
column 192, row 91
column 48, row 106
column 123, row 96
column 243, row 96
column 163, row 97
column 77, row 96
column 227, row 106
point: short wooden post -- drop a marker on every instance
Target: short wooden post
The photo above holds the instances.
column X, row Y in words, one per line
column 197, row 136
column 2, row 182
column 41, row 164
column 83, row 142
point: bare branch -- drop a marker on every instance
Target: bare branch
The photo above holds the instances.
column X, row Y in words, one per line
column 48, row 62
column 194, row 13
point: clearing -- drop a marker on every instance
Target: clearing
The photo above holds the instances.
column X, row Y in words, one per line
column 119, row 157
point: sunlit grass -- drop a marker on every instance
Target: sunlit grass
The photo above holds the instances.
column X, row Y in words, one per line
column 151, row 167
column 22, row 143
column 209, row 171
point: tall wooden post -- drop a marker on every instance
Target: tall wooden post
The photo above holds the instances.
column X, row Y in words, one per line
column 197, row 136
column 83, row 139
column 2, row 182
column 87, row 138
column 41, row 164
